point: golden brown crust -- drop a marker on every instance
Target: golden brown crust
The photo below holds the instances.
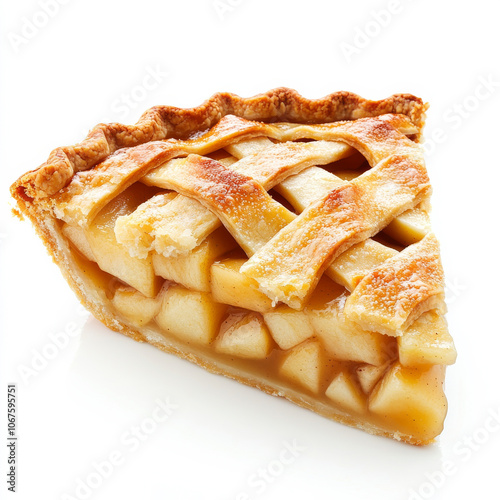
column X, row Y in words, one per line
column 40, row 191
column 289, row 266
column 162, row 122
column 394, row 294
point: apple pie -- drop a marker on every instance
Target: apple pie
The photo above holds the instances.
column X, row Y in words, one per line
column 280, row 241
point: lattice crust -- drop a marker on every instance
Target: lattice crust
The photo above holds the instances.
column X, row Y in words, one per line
column 162, row 122
column 301, row 248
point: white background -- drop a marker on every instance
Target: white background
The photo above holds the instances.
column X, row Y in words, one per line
column 65, row 71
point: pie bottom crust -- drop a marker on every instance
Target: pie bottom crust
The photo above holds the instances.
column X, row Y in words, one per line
column 99, row 305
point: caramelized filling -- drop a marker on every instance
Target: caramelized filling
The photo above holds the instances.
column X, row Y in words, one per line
column 201, row 300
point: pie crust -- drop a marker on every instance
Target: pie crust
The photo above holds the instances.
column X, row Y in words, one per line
column 280, row 241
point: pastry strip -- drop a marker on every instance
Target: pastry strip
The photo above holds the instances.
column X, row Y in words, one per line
column 268, row 167
column 289, row 266
column 90, row 190
column 394, row 294
column 242, row 204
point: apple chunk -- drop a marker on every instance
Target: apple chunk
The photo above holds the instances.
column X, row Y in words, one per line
column 411, row 226
column 344, row 339
column 136, row 307
column 351, row 266
column 345, row 393
column 288, row 326
column 193, row 269
column 113, row 257
column 189, row 315
column 427, row 342
column 244, row 335
column 76, row 235
column 229, row 286
column 304, row 365
column 412, row 400
column 369, row 375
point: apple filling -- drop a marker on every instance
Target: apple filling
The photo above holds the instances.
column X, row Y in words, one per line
column 183, row 285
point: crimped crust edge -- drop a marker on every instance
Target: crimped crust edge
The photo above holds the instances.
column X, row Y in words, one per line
column 163, row 122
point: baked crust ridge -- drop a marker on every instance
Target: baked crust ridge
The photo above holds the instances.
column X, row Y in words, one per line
column 164, row 122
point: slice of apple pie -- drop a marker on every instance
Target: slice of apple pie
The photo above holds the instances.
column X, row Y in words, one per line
column 281, row 241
